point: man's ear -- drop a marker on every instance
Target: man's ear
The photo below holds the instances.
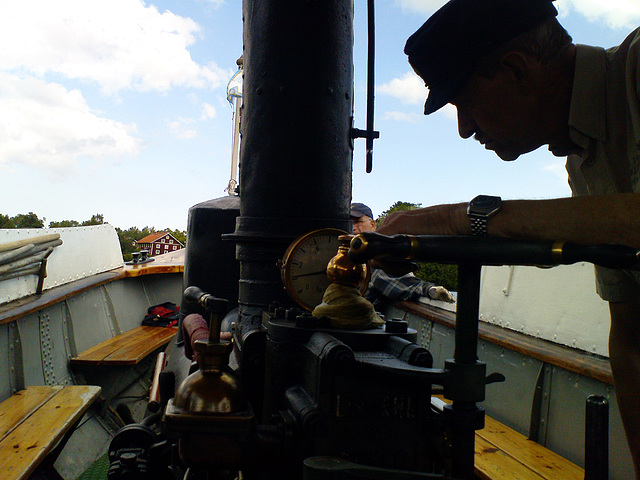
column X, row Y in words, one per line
column 518, row 64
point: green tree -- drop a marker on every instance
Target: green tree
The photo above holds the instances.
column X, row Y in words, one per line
column 394, row 208
column 6, row 222
column 22, row 220
column 64, row 223
column 97, row 219
column 440, row 274
column 179, row 235
column 129, row 237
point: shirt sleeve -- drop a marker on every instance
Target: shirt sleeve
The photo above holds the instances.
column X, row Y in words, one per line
column 406, row 287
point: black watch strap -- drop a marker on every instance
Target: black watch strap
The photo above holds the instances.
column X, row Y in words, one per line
column 480, row 210
column 478, row 226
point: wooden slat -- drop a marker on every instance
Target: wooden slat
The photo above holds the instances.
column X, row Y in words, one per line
column 102, row 350
column 491, row 463
column 501, row 453
column 147, row 269
column 34, row 438
column 133, row 353
column 128, row 348
column 530, row 454
column 19, row 406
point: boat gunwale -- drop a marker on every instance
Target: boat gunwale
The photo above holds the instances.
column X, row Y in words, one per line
column 571, row 359
column 12, row 311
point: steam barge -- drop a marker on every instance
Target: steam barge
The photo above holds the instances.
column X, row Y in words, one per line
column 298, row 391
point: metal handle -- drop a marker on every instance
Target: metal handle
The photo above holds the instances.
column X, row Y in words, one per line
column 216, row 307
column 488, row 250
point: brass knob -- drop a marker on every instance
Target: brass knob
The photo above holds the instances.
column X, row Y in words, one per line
column 341, row 269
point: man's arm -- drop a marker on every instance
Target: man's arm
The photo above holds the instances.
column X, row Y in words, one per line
column 406, row 287
column 588, row 220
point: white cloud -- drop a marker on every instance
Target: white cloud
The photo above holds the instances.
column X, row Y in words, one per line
column 421, row 6
column 408, row 89
column 401, row 116
column 557, row 169
column 449, row 111
column 208, row 111
column 615, row 13
column 180, row 130
column 117, row 44
column 46, row 125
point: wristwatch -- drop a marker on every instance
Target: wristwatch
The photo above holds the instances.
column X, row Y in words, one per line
column 480, row 210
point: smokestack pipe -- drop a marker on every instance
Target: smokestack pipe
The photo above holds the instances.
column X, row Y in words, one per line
column 296, row 152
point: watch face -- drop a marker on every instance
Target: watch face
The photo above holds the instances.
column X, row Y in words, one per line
column 304, row 266
column 484, row 205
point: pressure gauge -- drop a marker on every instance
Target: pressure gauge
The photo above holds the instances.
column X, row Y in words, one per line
column 304, row 266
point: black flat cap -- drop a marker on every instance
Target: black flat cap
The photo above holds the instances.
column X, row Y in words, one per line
column 445, row 50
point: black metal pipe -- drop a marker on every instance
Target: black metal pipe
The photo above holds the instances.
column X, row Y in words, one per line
column 371, row 57
column 467, row 313
column 296, row 155
column 488, row 250
column 596, row 445
column 465, row 415
column 295, row 159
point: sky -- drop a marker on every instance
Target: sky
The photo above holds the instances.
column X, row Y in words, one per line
column 120, row 108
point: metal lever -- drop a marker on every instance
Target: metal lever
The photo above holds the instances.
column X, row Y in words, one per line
column 214, row 306
column 488, row 250
column 494, row 377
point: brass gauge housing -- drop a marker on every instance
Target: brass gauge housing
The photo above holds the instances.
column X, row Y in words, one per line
column 304, row 266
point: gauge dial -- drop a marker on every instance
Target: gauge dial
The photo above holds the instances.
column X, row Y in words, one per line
column 304, row 266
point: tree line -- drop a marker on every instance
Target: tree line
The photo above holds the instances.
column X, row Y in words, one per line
column 445, row 275
column 440, row 274
column 127, row 237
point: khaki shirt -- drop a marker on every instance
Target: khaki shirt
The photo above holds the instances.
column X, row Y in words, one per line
column 604, row 121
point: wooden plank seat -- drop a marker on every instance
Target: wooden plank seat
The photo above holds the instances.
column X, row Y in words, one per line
column 501, row 453
column 35, row 424
column 128, row 348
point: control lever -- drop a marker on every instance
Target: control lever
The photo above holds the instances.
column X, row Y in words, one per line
column 488, row 250
column 214, row 306
column 494, row 377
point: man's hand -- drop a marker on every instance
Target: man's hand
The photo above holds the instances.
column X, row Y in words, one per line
column 436, row 220
column 440, row 293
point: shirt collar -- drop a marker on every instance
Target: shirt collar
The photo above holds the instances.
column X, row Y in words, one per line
column 587, row 111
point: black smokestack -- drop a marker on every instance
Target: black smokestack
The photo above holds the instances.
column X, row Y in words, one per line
column 296, row 155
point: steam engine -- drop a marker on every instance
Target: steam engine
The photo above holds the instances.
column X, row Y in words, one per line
column 291, row 397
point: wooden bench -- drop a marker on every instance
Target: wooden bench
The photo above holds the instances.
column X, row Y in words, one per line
column 34, row 421
column 504, row 454
column 128, row 348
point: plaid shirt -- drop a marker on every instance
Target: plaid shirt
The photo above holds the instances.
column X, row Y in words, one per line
column 384, row 288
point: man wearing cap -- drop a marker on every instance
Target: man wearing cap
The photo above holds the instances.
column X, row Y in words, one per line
column 384, row 287
column 362, row 218
column 518, row 82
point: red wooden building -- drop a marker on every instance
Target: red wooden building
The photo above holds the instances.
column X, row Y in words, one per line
column 158, row 243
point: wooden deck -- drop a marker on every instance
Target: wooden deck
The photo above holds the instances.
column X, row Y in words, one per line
column 33, row 421
column 501, row 453
column 128, row 348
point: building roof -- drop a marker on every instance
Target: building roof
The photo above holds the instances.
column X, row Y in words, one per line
column 152, row 238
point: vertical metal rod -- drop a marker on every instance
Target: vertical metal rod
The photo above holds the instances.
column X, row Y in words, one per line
column 371, row 54
column 596, row 445
column 463, row 436
column 468, row 311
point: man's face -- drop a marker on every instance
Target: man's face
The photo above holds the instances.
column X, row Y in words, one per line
column 363, row 224
column 500, row 114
